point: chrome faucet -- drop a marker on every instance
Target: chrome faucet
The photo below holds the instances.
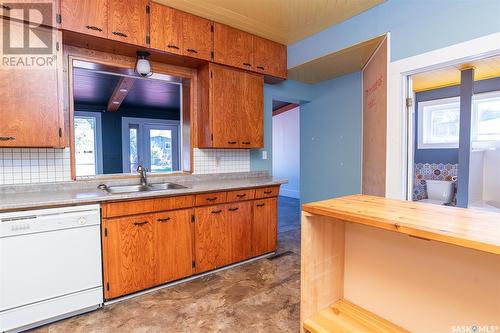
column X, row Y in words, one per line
column 142, row 172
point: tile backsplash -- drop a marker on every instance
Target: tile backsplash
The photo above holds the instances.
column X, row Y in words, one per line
column 431, row 171
column 40, row 165
column 34, row 165
column 221, row 160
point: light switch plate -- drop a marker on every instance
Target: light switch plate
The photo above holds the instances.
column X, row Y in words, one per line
column 264, row 154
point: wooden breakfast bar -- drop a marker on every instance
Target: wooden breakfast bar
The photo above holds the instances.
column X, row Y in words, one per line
column 371, row 264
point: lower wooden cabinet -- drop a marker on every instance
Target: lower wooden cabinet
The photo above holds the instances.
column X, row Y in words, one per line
column 239, row 217
column 129, row 254
column 154, row 246
column 212, row 238
column 174, row 245
column 264, row 226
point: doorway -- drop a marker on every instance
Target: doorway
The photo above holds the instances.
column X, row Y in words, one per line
column 286, row 161
column 454, row 135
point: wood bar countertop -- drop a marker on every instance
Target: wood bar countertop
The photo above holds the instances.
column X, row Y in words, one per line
column 467, row 228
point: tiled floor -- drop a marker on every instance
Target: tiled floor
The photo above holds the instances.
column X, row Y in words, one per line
column 262, row 296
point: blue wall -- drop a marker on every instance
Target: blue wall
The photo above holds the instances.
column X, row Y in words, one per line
column 334, row 107
column 416, row 26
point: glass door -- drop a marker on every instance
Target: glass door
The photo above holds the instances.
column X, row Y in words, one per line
column 161, row 148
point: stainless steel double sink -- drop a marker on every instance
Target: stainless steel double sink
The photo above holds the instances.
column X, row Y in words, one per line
column 117, row 189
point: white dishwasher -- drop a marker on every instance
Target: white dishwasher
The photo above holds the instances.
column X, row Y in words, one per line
column 50, row 265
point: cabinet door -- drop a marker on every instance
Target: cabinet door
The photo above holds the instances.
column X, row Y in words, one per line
column 31, row 111
column 174, row 245
column 212, row 238
column 85, row 16
column 252, row 111
column 129, row 254
column 227, row 99
column 233, row 47
column 269, row 57
column 198, row 37
column 127, row 21
column 239, row 216
column 166, row 29
column 264, row 226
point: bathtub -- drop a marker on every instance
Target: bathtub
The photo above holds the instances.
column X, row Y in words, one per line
column 490, row 205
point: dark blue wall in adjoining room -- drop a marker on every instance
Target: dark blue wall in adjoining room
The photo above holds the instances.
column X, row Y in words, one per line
column 112, row 131
column 446, row 155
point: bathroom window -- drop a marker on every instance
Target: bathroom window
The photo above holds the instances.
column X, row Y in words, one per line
column 439, row 123
column 486, row 117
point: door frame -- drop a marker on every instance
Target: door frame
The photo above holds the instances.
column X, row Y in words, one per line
column 397, row 118
column 142, row 123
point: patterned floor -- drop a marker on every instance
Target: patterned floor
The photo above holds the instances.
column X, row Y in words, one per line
column 262, row 296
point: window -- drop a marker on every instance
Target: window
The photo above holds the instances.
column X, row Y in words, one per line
column 88, row 156
column 439, row 123
column 486, row 117
column 153, row 143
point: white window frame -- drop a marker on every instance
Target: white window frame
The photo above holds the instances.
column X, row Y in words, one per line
column 141, row 124
column 475, row 123
column 97, row 139
column 423, row 123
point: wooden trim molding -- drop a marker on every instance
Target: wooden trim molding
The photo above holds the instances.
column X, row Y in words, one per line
column 285, row 108
column 189, row 77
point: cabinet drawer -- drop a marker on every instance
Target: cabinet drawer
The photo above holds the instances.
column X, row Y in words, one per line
column 240, row 195
column 266, row 192
column 142, row 206
column 210, row 198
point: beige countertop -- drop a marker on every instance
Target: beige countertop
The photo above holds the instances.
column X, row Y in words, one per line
column 76, row 193
column 468, row 228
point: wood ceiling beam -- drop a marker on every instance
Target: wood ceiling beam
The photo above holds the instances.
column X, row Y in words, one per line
column 121, row 90
column 285, row 108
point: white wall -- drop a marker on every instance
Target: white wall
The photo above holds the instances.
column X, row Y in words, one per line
column 286, row 151
column 476, row 176
column 491, row 186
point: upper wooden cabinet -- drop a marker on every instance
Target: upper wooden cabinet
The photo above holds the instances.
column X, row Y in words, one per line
column 240, row 49
column 231, row 104
column 31, row 114
column 180, row 33
column 128, row 21
column 125, row 21
column 233, row 47
column 85, row 16
column 166, row 29
column 269, row 57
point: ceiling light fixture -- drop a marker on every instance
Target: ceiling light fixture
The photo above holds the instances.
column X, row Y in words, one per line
column 142, row 66
column 123, row 90
column 116, row 102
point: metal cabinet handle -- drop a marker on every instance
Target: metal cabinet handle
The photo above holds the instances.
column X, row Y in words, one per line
column 232, row 142
column 192, row 50
column 166, row 219
column 91, row 27
column 171, row 46
column 121, row 34
column 211, row 199
column 141, row 223
column 260, row 67
column 6, row 7
column 260, row 205
column 268, row 192
column 217, row 211
column 233, row 209
column 247, row 64
column 246, row 142
column 241, row 195
column 7, row 138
